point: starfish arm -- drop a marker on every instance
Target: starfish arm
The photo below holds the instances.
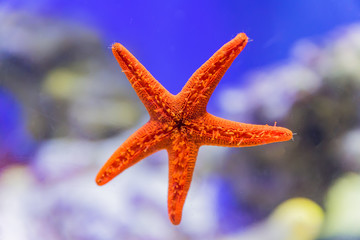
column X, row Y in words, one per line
column 182, row 158
column 152, row 94
column 197, row 91
column 217, row 131
column 145, row 141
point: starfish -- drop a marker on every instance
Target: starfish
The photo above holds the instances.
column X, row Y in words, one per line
column 180, row 123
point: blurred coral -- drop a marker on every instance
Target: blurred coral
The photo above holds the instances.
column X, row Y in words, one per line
column 342, row 207
column 316, row 94
column 63, row 80
column 293, row 219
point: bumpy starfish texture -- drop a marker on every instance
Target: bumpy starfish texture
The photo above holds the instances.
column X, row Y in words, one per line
column 180, row 123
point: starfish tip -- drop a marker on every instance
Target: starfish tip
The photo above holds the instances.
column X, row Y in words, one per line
column 241, row 35
column 175, row 219
column 285, row 134
column 288, row 133
column 100, row 181
column 116, row 47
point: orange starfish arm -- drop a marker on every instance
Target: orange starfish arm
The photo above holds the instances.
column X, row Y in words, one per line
column 182, row 158
column 197, row 91
column 152, row 94
column 145, row 141
column 212, row 130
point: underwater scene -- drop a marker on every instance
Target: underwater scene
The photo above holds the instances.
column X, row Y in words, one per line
column 109, row 110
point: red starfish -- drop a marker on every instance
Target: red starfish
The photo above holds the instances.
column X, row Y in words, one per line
column 180, row 123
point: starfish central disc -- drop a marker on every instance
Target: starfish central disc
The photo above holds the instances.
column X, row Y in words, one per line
column 180, row 123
